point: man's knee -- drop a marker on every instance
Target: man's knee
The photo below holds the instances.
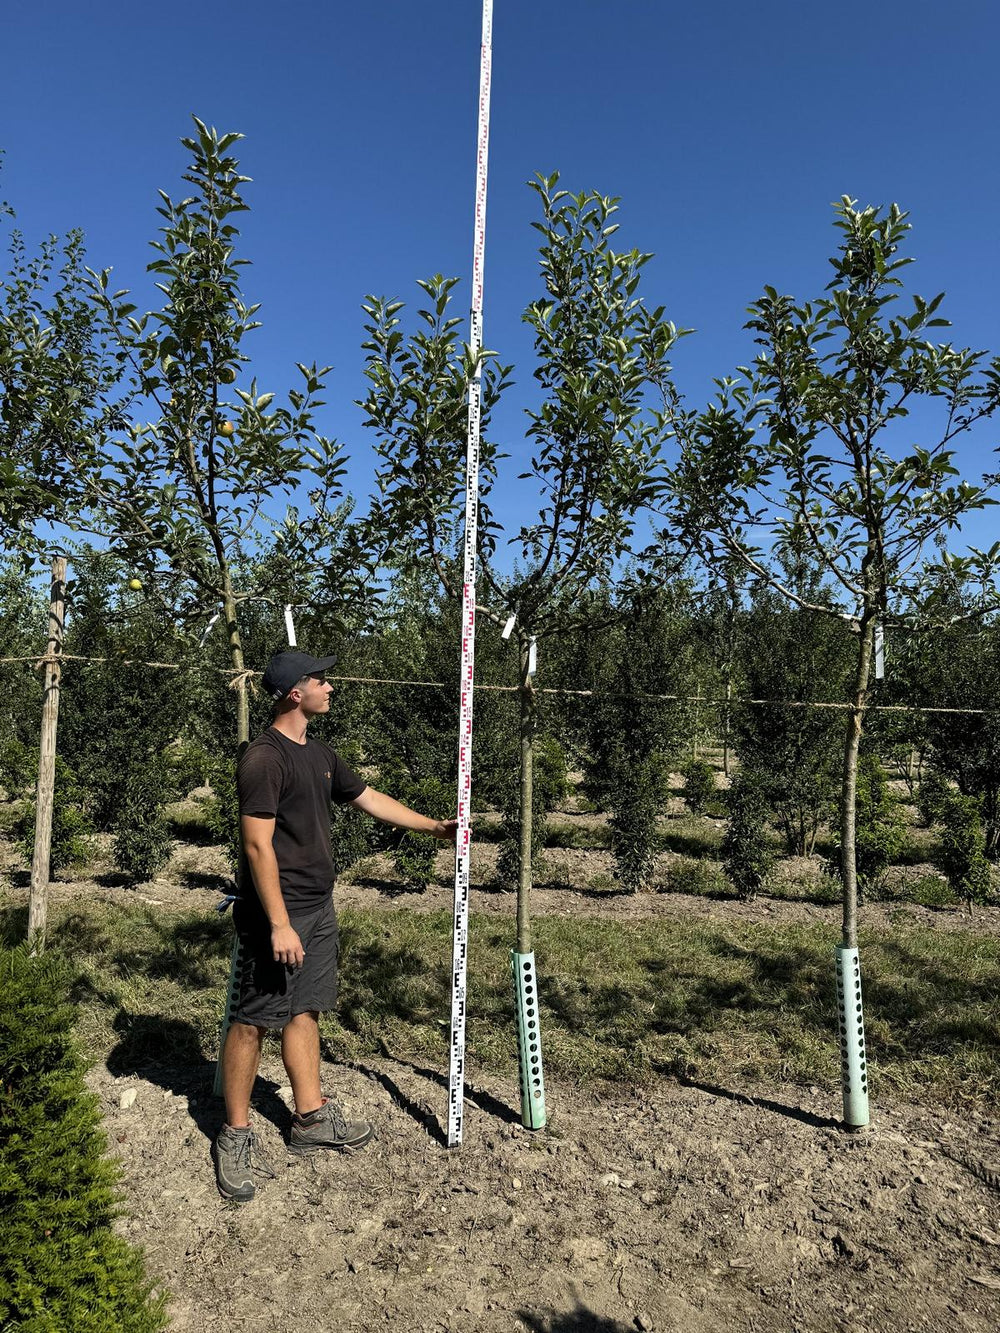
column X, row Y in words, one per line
column 247, row 1034
column 307, row 1018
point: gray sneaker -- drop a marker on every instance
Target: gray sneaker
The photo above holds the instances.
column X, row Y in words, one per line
column 327, row 1128
column 238, row 1159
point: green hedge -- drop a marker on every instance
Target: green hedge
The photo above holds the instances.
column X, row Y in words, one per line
column 62, row 1266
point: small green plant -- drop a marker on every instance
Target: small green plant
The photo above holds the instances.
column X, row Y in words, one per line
column 700, row 878
column 142, row 842
column 72, row 841
column 747, row 858
column 963, row 848
column 601, row 883
column 415, row 855
column 699, row 785
column 352, row 838
column 932, row 891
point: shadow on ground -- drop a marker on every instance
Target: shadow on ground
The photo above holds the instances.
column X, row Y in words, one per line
column 167, row 1053
column 580, row 1320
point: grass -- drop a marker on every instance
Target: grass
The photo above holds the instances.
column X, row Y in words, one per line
column 189, row 822
column 728, row 1003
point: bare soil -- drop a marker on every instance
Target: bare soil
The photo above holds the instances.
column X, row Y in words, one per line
column 690, row 1209
column 686, row 1208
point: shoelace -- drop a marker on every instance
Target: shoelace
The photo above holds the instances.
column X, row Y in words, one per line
column 336, row 1117
column 250, row 1157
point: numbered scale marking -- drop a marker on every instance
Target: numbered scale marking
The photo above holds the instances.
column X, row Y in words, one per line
column 460, row 941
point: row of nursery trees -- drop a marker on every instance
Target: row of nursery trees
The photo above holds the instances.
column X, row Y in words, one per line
column 134, row 738
column 149, row 431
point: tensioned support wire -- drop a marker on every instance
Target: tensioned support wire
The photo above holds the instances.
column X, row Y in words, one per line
column 513, row 689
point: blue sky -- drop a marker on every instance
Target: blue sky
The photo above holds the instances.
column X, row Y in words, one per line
column 727, row 129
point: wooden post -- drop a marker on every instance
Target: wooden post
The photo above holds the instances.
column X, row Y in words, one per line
column 38, row 894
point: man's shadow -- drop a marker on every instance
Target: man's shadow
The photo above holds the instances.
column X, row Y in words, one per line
column 167, row 1052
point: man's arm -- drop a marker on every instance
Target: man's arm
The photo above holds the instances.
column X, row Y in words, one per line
column 258, row 843
column 394, row 812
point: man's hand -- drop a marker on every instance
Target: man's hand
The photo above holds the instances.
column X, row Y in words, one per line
column 287, row 946
column 445, row 829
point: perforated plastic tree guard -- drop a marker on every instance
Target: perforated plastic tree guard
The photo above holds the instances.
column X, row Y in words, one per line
column 228, row 1014
column 854, row 1064
column 529, row 1040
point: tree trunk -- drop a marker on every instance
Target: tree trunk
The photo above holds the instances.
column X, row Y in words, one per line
column 38, row 893
column 236, row 654
column 855, row 720
column 526, row 696
column 725, row 730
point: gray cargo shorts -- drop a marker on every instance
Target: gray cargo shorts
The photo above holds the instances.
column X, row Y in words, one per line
column 270, row 993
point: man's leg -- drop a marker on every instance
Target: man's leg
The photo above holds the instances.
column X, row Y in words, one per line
column 235, row 1151
column 240, row 1060
column 300, row 1053
column 318, row 1122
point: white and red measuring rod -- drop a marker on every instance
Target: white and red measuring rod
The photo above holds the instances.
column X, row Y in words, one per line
column 460, row 942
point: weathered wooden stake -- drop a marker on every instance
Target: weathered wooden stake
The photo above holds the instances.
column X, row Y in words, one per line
column 38, row 894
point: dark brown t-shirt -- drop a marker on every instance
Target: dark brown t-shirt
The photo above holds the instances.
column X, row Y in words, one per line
column 294, row 784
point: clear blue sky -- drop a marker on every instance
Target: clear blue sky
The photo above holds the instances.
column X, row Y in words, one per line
column 726, row 128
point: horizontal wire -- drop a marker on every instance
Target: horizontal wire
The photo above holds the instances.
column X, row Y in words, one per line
column 514, row 689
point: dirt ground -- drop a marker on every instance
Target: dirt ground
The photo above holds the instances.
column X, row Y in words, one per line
column 685, row 1209
column 689, row 1210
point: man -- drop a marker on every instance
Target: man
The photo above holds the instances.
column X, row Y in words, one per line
column 285, row 918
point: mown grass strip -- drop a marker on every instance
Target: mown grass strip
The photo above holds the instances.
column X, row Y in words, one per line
column 729, row 1003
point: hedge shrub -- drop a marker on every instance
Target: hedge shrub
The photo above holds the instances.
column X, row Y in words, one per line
column 62, row 1267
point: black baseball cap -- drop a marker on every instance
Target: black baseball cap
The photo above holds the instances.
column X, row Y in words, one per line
column 286, row 669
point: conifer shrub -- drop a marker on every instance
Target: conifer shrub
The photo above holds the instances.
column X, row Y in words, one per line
column 143, row 841
column 63, row 1267
column 747, row 857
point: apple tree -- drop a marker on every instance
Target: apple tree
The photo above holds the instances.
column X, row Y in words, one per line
column 812, row 449
column 594, row 433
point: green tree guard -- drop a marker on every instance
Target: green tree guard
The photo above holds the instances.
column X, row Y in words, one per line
column 854, row 1063
column 529, row 1040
